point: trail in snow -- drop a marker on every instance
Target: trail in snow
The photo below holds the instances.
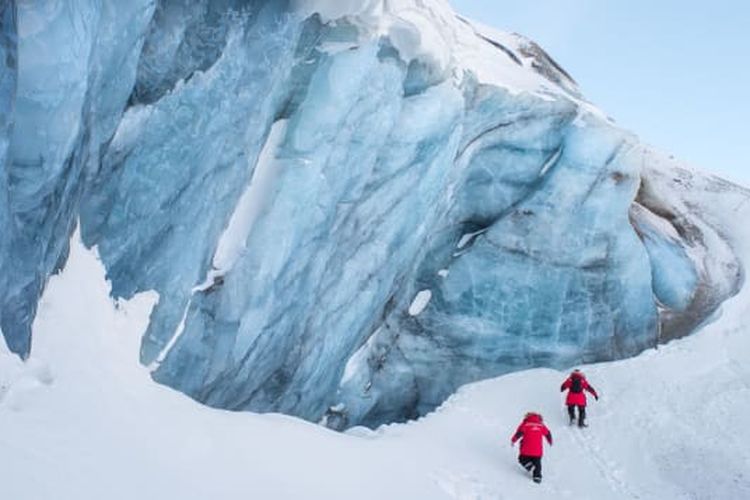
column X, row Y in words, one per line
column 608, row 469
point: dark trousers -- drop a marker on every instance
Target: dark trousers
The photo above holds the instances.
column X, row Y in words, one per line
column 530, row 463
column 581, row 414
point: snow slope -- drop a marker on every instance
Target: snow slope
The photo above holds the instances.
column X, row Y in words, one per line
column 82, row 420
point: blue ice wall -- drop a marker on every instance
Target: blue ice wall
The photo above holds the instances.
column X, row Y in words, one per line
column 8, row 77
column 77, row 63
column 674, row 277
column 359, row 176
column 289, row 187
column 199, row 142
column 51, row 87
column 554, row 274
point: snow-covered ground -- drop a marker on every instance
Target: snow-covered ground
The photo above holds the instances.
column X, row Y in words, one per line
column 83, row 420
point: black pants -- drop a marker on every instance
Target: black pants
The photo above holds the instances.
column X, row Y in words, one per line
column 530, row 463
column 581, row 414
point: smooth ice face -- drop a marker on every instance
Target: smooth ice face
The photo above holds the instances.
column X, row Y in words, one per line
column 347, row 210
column 673, row 273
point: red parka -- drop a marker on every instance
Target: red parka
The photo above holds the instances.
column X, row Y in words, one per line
column 577, row 380
column 530, row 432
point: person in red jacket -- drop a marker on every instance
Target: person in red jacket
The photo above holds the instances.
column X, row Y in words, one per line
column 531, row 433
column 577, row 386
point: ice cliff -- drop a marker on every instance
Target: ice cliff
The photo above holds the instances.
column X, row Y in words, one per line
column 348, row 209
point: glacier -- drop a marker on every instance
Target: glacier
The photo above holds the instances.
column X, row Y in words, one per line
column 347, row 209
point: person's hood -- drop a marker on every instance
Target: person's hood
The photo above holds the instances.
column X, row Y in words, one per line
column 533, row 418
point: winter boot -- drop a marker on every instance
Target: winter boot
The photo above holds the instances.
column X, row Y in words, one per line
column 582, row 416
column 571, row 414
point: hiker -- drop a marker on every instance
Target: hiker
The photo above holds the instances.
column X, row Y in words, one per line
column 530, row 432
column 577, row 386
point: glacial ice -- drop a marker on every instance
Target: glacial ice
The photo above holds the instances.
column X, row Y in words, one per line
column 8, row 75
column 348, row 209
column 76, row 64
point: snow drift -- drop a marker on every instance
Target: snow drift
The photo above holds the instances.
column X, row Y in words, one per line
column 290, row 176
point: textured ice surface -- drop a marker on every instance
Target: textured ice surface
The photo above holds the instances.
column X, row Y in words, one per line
column 348, row 209
column 8, row 75
column 76, row 70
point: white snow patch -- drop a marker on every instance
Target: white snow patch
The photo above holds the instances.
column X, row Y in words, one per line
column 172, row 341
column 420, row 302
column 233, row 240
column 466, row 238
column 550, row 163
column 358, row 360
column 443, row 273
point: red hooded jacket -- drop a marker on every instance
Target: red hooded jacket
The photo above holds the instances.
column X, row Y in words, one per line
column 577, row 398
column 530, row 432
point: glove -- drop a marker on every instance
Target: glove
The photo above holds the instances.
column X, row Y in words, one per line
column 596, row 397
